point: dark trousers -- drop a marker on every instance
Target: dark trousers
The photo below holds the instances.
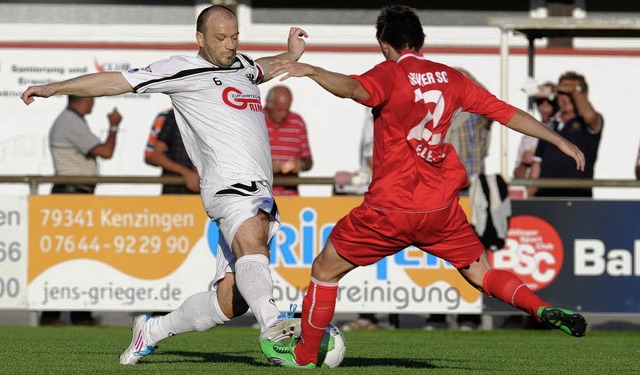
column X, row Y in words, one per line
column 77, row 317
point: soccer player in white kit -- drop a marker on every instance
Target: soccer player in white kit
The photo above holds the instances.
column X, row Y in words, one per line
column 219, row 113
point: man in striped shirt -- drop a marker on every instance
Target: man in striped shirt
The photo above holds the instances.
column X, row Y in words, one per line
column 290, row 150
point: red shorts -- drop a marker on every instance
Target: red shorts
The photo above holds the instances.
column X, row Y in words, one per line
column 365, row 235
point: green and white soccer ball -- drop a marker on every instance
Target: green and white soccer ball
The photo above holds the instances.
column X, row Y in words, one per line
column 332, row 348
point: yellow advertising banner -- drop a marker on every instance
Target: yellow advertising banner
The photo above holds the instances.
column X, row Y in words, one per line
column 116, row 252
column 128, row 253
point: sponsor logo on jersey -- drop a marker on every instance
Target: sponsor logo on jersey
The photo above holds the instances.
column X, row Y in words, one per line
column 251, row 77
column 428, row 78
column 234, row 98
column 146, row 69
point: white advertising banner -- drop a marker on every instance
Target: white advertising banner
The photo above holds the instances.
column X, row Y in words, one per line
column 24, row 140
column 334, row 125
column 13, row 252
column 150, row 253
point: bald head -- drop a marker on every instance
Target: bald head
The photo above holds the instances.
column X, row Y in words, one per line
column 217, row 35
column 214, row 10
column 278, row 103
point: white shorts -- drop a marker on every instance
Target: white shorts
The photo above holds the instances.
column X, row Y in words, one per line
column 229, row 208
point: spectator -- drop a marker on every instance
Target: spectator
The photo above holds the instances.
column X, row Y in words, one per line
column 578, row 122
column 74, row 150
column 470, row 135
column 290, row 150
column 547, row 106
column 638, row 165
column 165, row 149
column 358, row 182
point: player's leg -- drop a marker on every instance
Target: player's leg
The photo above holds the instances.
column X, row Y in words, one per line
column 253, row 276
column 361, row 238
column 508, row 288
column 460, row 246
column 248, row 219
column 318, row 307
column 319, row 304
column 199, row 312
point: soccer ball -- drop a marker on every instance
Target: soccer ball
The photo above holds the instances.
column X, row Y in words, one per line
column 332, row 348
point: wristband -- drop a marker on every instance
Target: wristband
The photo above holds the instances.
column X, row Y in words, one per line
column 113, row 128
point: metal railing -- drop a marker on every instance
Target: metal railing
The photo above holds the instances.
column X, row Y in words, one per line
column 574, row 183
column 35, row 180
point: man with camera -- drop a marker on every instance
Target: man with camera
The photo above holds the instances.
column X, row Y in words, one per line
column 578, row 122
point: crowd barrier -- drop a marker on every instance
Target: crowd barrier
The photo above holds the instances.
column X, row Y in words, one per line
column 84, row 252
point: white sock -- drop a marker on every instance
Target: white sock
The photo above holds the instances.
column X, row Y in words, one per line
column 253, row 277
column 199, row 312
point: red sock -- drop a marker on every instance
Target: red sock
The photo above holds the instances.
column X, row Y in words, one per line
column 509, row 289
column 318, row 307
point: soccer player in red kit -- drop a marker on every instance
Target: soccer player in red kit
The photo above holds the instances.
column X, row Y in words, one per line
column 413, row 196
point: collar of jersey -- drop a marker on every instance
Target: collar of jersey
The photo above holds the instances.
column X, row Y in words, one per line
column 237, row 62
column 408, row 53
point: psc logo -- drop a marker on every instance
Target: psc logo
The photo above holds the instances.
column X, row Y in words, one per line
column 533, row 251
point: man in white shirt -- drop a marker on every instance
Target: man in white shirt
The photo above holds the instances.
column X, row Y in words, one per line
column 219, row 114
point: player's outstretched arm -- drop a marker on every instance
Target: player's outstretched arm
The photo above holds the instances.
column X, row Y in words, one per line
column 524, row 123
column 295, row 48
column 89, row 85
column 338, row 84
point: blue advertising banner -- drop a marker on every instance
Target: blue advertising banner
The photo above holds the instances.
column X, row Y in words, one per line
column 579, row 254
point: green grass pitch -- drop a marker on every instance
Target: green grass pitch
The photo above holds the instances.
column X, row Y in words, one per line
column 234, row 350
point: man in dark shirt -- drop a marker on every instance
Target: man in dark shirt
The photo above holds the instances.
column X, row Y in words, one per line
column 578, row 122
column 165, row 149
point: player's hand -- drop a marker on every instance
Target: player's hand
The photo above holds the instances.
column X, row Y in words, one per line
column 114, row 117
column 527, row 157
column 192, row 180
column 35, row 91
column 289, row 166
column 342, row 178
column 566, row 88
column 296, row 44
column 573, row 151
column 290, row 69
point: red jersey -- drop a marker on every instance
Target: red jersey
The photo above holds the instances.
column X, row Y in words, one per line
column 288, row 141
column 414, row 101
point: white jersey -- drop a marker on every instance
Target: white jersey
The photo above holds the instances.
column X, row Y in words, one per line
column 219, row 114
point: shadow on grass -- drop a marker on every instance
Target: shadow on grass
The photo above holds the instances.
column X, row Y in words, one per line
column 229, row 357
column 391, row 362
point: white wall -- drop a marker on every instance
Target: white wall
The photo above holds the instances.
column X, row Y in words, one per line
column 334, row 124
